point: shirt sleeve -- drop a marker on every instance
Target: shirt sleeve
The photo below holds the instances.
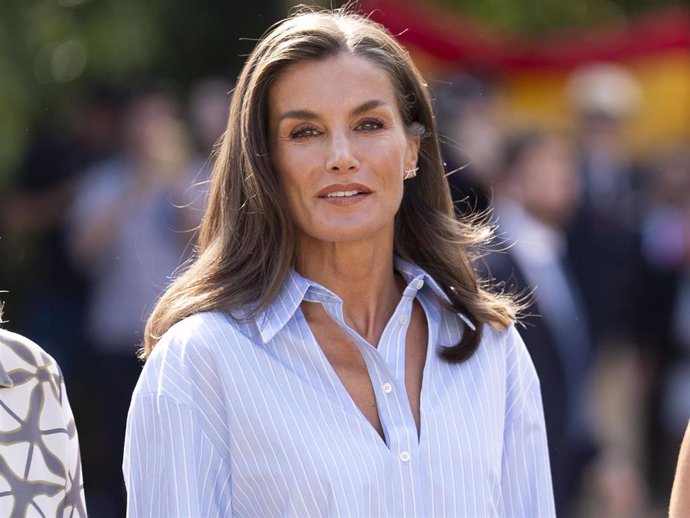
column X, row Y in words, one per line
column 526, row 474
column 173, row 464
column 171, row 468
column 74, row 488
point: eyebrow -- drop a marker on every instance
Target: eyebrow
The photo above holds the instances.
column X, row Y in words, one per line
column 309, row 115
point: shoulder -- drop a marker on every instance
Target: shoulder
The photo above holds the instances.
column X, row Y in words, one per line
column 521, row 380
column 510, row 342
column 500, row 340
column 508, row 347
column 31, row 383
column 206, row 331
column 507, row 338
column 18, row 353
column 187, row 355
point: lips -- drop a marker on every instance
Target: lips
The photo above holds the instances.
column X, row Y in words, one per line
column 343, row 191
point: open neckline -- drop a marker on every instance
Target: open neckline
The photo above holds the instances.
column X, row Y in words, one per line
column 373, row 354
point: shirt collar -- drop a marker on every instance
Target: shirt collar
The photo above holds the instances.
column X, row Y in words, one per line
column 283, row 306
column 413, row 274
column 296, row 288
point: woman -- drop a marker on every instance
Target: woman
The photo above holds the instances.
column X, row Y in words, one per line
column 40, row 465
column 680, row 496
column 331, row 352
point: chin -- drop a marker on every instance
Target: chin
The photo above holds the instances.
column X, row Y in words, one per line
column 350, row 233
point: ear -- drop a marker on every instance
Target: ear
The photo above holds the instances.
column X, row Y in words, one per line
column 414, row 137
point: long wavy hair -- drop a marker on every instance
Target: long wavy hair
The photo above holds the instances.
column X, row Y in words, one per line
column 247, row 239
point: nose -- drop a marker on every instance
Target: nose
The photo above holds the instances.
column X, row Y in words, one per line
column 341, row 157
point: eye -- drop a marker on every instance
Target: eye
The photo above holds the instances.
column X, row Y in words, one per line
column 370, row 124
column 303, row 132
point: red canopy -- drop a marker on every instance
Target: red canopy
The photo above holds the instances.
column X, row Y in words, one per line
column 458, row 40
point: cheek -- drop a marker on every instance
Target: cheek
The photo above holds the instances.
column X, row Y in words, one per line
column 292, row 170
column 387, row 157
column 297, row 187
column 294, row 195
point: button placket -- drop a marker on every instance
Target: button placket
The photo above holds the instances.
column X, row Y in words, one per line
column 403, row 437
column 404, row 312
column 400, row 435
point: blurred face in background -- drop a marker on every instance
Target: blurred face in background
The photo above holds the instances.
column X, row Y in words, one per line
column 547, row 180
column 208, row 112
column 156, row 136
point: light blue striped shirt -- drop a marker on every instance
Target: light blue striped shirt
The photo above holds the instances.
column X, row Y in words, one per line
column 248, row 419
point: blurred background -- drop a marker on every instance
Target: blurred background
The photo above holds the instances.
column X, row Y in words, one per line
column 570, row 120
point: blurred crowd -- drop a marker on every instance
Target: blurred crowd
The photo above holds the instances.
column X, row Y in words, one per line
column 98, row 219
column 594, row 237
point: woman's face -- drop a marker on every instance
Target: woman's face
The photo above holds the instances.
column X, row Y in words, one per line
column 340, row 147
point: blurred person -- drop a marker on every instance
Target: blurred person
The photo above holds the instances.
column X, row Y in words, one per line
column 331, row 352
column 604, row 236
column 50, row 292
column 468, row 108
column 128, row 235
column 537, row 192
column 208, row 114
column 40, row 466
column 605, row 244
column 680, row 496
column 666, row 316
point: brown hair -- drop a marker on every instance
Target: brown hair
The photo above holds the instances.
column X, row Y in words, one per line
column 247, row 236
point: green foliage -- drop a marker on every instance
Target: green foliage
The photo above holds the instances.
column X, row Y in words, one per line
column 51, row 49
column 535, row 16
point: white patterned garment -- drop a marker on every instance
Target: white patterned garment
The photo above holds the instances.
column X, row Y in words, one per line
column 248, row 419
column 40, row 466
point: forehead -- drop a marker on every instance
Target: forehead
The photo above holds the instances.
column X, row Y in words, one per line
column 339, row 82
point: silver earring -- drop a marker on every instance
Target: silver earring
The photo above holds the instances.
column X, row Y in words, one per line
column 410, row 173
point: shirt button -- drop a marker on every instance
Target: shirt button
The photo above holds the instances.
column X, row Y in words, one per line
column 402, row 319
column 387, row 388
column 419, row 284
column 405, row 456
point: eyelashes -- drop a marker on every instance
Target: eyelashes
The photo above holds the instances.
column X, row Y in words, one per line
column 369, row 124
column 303, row 133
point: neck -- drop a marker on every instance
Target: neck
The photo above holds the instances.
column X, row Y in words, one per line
column 361, row 274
